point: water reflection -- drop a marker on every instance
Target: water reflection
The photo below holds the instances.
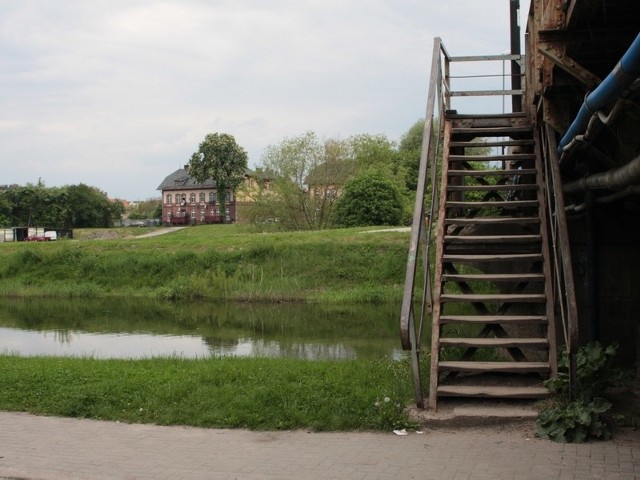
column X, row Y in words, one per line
column 69, row 343
column 135, row 329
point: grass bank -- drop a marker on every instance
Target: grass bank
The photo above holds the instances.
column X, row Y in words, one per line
column 222, row 392
column 217, row 262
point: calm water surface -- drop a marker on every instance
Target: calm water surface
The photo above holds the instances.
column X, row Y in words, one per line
column 141, row 329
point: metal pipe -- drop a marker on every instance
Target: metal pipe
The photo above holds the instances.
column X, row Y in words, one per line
column 592, row 269
column 627, row 192
column 621, row 77
column 614, row 179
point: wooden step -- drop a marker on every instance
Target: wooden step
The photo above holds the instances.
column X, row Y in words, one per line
column 494, row 342
column 491, row 220
column 492, row 158
column 492, row 188
column 494, row 203
column 502, row 131
column 493, row 277
column 492, row 143
column 453, row 114
column 493, row 172
column 484, row 239
column 507, row 367
column 493, row 297
column 480, row 391
column 493, row 319
column 504, row 257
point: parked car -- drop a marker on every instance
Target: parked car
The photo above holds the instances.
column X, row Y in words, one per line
column 37, row 238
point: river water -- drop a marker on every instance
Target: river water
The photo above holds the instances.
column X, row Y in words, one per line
column 134, row 329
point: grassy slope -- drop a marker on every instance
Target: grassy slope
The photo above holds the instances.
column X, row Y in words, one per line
column 224, row 392
column 230, row 262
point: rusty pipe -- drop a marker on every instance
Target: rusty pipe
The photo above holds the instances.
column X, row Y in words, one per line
column 613, row 179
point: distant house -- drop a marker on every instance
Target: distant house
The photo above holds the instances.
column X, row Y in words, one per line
column 187, row 202
column 328, row 178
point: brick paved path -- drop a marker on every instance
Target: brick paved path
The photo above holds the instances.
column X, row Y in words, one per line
column 49, row 448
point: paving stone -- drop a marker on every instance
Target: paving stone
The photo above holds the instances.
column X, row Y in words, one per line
column 50, row 448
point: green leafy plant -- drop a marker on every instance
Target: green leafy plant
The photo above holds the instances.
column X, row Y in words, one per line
column 580, row 419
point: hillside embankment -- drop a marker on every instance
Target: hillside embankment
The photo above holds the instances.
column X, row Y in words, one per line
column 218, row 262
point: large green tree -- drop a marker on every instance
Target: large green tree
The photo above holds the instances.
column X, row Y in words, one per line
column 291, row 165
column 71, row 206
column 369, row 199
column 219, row 157
column 409, row 152
column 146, row 209
column 309, row 175
column 90, row 207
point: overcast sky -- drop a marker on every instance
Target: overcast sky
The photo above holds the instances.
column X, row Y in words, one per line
column 117, row 94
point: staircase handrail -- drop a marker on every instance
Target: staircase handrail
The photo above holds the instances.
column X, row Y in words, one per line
column 564, row 285
column 438, row 101
column 421, row 226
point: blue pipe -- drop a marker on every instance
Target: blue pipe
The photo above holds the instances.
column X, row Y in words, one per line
column 623, row 75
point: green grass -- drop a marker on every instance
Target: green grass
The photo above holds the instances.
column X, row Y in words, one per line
column 218, row 262
column 223, row 392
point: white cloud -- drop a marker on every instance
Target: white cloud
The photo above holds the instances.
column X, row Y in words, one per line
column 118, row 93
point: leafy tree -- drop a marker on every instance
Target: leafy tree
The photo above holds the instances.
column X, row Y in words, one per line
column 146, row 209
column 369, row 199
column 90, row 207
column 309, row 175
column 5, row 209
column 62, row 207
column 304, row 173
column 373, row 152
column 221, row 158
column 409, row 150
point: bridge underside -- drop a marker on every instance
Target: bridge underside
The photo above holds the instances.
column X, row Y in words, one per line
column 572, row 47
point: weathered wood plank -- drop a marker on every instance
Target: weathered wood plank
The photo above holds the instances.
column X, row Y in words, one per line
column 492, row 143
column 491, row 158
column 493, row 319
column 494, row 297
column 507, row 367
column 493, row 172
column 491, row 220
column 494, row 203
column 507, row 342
column 495, row 277
column 491, row 188
column 461, row 258
column 510, row 239
column 491, row 131
column 492, row 391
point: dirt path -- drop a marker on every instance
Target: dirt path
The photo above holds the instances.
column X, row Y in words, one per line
column 161, row 231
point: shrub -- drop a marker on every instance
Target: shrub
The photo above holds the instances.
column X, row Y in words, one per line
column 369, row 199
column 580, row 419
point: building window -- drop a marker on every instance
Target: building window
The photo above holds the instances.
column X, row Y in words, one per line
column 193, row 214
column 212, row 197
column 192, row 198
column 202, row 196
column 168, row 198
column 227, row 197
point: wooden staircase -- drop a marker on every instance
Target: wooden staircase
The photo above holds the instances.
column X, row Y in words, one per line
column 493, row 333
